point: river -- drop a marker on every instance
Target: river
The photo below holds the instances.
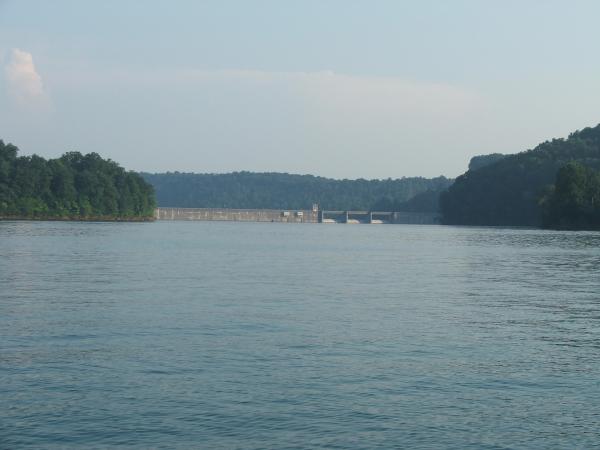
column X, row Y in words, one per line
column 224, row 335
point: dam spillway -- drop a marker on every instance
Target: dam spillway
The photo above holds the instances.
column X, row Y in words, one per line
column 295, row 216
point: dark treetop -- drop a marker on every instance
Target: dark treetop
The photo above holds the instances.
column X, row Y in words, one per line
column 74, row 186
column 516, row 190
column 283, row 191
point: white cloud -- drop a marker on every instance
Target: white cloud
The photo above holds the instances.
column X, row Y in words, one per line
column 23, row 81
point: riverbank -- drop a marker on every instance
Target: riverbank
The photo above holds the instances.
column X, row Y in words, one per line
column 79, row 218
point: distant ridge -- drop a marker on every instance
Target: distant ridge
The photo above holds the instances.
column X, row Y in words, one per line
column 271, row 190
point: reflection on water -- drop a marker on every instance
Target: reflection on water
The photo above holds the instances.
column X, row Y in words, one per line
column 241, row 335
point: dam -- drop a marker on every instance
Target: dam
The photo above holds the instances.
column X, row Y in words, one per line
column 296, row 216
column 237, row 215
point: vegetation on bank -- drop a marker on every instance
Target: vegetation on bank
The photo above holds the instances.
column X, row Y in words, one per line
column 287, row 191
column 555, row 185
column 518, row 190
column 574, row 200
column 74, row 186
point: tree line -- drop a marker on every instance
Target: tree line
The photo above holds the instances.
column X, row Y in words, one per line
column 74, row 186
column 525, row 189
column 289, row 191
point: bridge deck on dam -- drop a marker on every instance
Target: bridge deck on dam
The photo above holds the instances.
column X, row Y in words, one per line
column 295, row 216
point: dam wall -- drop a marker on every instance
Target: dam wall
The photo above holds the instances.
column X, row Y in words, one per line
column 295, row 216
column 237, row 215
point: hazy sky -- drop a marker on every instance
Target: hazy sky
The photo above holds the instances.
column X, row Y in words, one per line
column 344, row 88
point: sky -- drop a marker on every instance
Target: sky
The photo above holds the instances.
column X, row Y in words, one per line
column 337, row 88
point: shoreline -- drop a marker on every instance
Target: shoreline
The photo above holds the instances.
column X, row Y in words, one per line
column 77, row 219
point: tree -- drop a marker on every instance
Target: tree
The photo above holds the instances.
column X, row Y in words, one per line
column 508, row 191
column 574, row 203
column 72, row 186
column 286, row 191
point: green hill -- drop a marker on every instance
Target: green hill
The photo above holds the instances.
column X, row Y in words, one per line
column 74, row 186
column 283, row 191
column 514, row 189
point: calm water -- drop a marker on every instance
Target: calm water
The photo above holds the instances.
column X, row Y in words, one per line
column 241, row 335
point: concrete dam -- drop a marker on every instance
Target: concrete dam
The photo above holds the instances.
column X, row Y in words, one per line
column 295, row 216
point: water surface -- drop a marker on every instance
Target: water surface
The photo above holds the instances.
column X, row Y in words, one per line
column 244, row 335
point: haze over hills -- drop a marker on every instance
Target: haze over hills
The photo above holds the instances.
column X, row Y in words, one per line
column 289, row 191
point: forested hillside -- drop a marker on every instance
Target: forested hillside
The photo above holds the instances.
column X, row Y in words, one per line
column 282, row 191
column 74, row 186
column 511, row 190
column 574, row 201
